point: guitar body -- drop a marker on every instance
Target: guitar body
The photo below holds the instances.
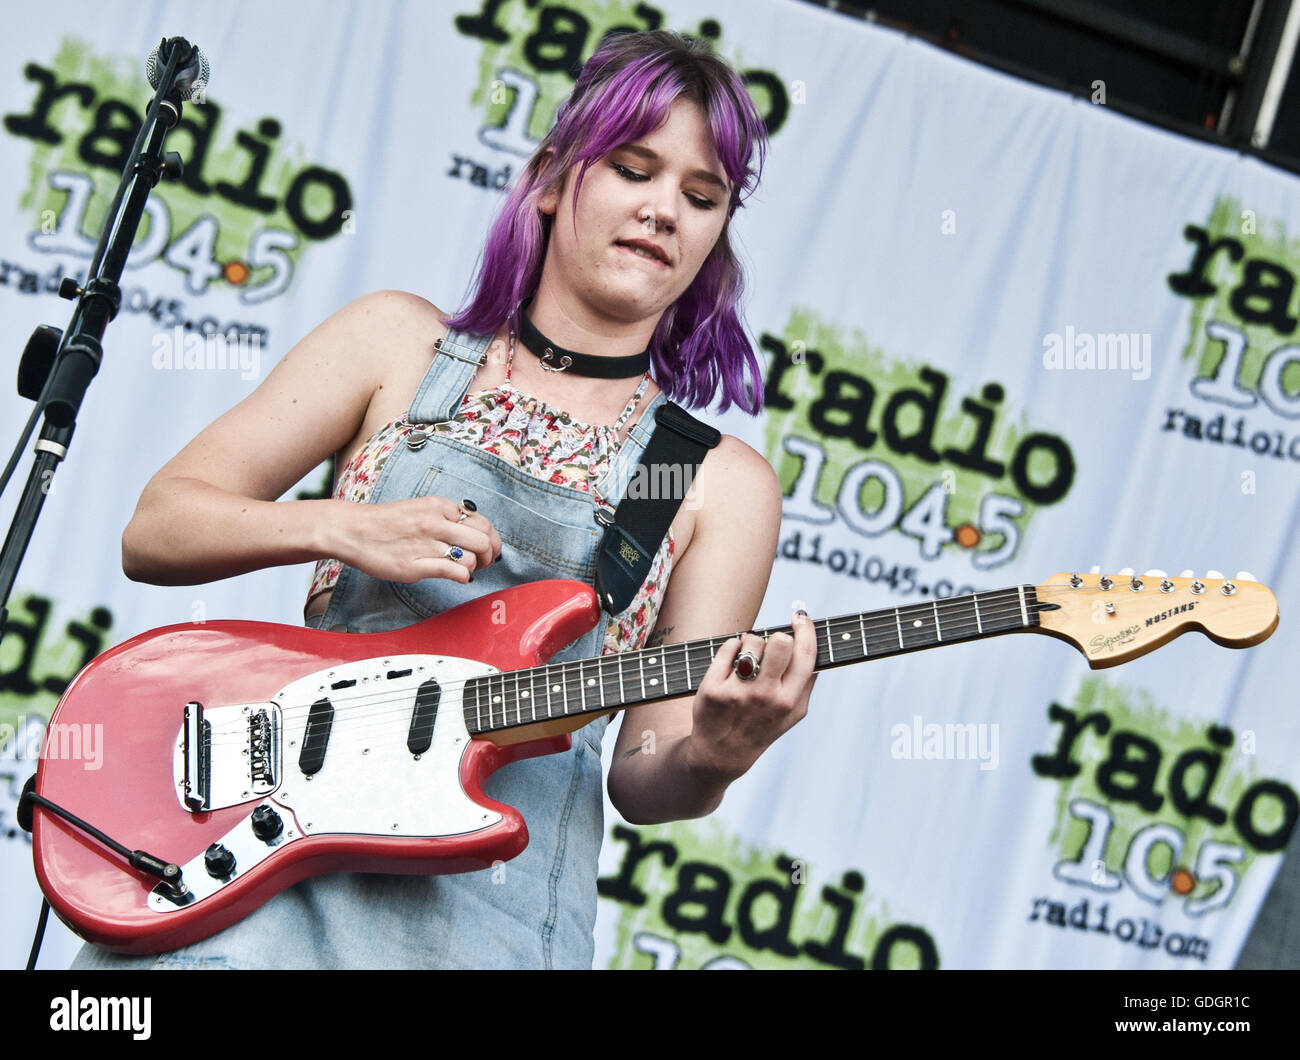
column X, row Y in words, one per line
column 383, row 777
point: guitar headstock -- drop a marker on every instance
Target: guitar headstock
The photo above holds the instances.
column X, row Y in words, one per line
column 1113, row 618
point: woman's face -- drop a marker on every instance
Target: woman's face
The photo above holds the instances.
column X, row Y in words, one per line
column 671, row 175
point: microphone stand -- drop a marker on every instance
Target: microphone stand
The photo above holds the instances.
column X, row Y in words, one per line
column 57, row 367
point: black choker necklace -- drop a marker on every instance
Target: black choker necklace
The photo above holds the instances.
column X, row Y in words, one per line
column 557, row 359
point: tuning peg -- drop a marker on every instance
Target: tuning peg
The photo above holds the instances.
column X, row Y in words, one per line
column 1188, row 574
column 1094, row 569
column 1214, row 574
column 1246, row 576
column 1127, row 572
column 1155, row 574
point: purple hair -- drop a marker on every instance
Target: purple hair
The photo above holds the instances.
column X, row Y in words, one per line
column 625, row 91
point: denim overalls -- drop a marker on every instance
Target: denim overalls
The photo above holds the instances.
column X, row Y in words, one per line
column 537, row 910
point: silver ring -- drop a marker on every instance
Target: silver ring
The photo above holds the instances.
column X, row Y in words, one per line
column 455, row 552
column 463, row 516
column 753, row 668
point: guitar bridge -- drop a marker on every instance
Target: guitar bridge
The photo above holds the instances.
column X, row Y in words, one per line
column 227, row 755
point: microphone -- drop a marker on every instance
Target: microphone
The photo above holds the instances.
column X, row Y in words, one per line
column 191, row 76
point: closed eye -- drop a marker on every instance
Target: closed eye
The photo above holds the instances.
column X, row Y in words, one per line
column 638, row 178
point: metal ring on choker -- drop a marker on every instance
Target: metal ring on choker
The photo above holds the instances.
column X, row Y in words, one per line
column 576, row 363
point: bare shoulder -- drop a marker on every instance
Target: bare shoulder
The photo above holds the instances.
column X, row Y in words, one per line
column 736, row 481
column 397, row 318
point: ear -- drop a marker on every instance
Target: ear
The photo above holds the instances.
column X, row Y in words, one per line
column 549, row 201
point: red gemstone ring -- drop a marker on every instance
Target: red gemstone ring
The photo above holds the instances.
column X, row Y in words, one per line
column 746, row 665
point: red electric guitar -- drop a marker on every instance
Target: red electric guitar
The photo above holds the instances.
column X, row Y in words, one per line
column 237, row 758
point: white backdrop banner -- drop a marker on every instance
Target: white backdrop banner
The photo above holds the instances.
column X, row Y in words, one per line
column 1006, row 333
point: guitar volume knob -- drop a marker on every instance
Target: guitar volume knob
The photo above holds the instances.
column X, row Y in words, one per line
column 219, row 862
column 267, row 824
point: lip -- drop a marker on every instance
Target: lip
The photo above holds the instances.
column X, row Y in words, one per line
column 627, row 244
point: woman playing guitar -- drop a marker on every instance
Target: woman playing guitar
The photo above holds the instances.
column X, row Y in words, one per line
column 474, row 457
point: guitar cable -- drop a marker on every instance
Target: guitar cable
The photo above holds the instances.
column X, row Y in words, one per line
column 166, row 871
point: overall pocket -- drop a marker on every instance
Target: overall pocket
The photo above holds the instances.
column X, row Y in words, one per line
column 559, row 542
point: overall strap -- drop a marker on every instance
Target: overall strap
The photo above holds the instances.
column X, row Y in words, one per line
column 668, row 466
column 457, row 356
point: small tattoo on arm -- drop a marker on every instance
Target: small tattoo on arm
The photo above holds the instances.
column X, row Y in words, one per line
column 657, row 637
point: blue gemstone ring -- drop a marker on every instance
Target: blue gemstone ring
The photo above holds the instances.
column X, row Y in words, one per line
column 455, row 552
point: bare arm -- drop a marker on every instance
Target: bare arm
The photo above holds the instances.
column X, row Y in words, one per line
column 211, row 511
column 675, row 758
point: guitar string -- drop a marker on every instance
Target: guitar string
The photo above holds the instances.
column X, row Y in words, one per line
column 677, row 664
column 998, row 604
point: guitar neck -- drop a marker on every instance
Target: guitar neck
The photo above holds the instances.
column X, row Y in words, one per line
column 610, row 682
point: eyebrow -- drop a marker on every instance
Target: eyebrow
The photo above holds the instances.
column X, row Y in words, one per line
column 653, row 156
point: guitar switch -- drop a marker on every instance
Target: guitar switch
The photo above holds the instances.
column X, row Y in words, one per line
column 267, row 824
column 219, row 862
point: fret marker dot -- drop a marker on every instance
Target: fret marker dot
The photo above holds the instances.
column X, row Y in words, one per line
column 591, row 680
column 523, row 695
column 496, row 699
column 916, row 623
column 651, row 660
column 844, row 636
column 555, row 688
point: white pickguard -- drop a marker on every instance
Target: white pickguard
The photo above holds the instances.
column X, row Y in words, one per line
column 370, row 783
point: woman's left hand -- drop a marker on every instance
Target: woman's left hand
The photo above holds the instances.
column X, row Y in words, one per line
column 736, row 720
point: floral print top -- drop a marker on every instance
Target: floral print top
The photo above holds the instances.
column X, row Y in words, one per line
column 539, row 439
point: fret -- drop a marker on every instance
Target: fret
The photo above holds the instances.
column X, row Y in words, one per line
column 979, row 624
column 899, row 623
column 564, row 681
column 582, row 686
column 478, row 705
column 498, row 699
column 610, row 683
column 652, row 658
column 663, row 662
column 622, row 696
column 1002, row 615
column 640, row 664
column 1024, row 615
column 919, row 627
column 937, row 632
column 713, row 652
column 830, row 641
column 862, row 631
column 530, row 694
column 686, row 653
column 844, row 636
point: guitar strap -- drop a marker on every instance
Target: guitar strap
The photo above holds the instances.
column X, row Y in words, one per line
column 664, row 476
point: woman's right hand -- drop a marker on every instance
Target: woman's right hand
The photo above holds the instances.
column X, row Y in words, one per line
column 406, row 541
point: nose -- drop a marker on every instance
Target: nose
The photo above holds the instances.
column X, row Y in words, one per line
column 657, row 217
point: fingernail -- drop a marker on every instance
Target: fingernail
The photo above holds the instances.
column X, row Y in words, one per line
column 471, row 577
column 801, row 611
